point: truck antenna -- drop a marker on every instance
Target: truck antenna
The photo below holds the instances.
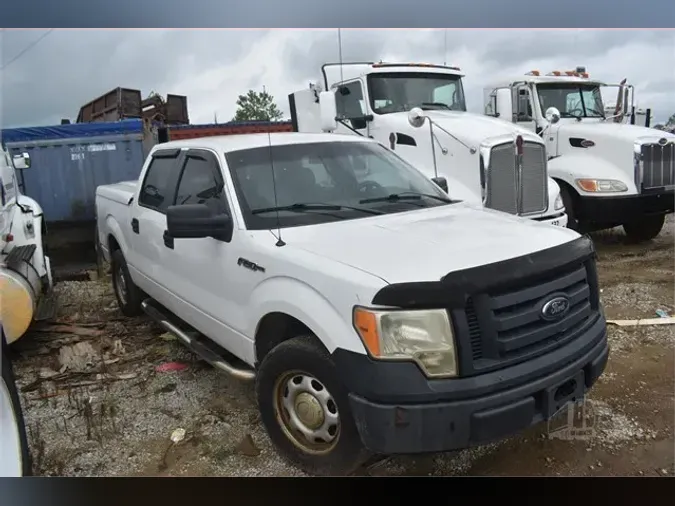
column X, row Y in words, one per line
column 280, row 241
column 445, row 46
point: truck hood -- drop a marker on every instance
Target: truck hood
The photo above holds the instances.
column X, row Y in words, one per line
column 469, row 127
column 607, row 130
column 425, row 245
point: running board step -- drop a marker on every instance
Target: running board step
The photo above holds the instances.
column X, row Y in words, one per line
column 46, row 309
column 195, row 342
column 20, row 254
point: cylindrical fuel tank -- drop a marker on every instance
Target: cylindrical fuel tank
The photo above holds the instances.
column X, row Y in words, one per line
column 19, row 291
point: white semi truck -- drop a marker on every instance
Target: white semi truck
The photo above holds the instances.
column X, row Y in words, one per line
column 25, row 272
column 418, row 111
column 611, row 172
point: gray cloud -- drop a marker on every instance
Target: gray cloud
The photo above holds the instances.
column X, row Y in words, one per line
column 70, row 67
column 355, row 13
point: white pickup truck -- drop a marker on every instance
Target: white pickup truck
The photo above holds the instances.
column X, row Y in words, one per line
column 375, row 314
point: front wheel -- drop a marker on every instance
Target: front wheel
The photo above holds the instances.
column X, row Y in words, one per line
column 305, row 409
column 15, row 457
column 568, row 202
column 646, row 229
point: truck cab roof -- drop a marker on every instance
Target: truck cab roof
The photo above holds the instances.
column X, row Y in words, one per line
column 227, row 143
column 547, row 80
column 336, row 72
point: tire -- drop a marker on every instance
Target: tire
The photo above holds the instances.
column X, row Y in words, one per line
column 128, row 295
column 646, row 229
column 15, row 424
column 304, row 357
column 568, row 202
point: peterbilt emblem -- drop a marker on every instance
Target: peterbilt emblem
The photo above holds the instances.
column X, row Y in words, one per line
column 663, row 141
column 555, row 308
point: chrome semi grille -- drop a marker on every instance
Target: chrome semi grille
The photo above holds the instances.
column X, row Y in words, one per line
column 658, row 165
column 517, row 190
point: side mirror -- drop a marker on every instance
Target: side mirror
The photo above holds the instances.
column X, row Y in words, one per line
column 21, row 161
column 328, row 109
column 552, row 115
column 195, row 221
column 416, row 117
column 441, row 182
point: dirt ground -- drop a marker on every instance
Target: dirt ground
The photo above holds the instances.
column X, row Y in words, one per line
column 96, row 403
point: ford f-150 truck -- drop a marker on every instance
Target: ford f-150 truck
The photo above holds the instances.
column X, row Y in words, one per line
column 374, row 313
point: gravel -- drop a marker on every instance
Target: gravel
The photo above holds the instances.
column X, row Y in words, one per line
column 121, row 423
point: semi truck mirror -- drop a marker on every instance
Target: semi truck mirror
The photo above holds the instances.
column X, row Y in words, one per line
column 552, row 115
column 416, row 117
column 21, row 161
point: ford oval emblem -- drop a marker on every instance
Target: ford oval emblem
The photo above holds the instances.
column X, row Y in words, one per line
column 555, row 308
column 663, row 141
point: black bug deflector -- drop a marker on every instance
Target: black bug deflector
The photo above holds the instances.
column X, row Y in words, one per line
column 453, row 290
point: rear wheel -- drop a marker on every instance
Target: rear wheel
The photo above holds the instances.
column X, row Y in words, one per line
column 305, row 409
column 15, row 458
column 128, row 295
column 646, row 229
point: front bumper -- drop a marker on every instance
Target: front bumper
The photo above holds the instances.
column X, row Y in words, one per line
column 559, row 220
column 443, row 415
column 617, row 210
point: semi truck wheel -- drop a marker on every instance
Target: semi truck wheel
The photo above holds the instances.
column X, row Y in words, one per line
column 15, row 455
column 128, row 295
column 306, row 411
column 646, row 229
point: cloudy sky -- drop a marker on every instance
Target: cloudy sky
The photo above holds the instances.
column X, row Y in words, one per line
column 50, row 80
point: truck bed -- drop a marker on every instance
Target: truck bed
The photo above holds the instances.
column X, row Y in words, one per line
column 112, row 209
column 118, row 192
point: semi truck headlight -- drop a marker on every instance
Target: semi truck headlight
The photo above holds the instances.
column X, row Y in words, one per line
column 558, row 204
column 423, row 336
column 601, row 185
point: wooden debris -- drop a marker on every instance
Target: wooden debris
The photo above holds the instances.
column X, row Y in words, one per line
column 77, row 330
column 645, row 321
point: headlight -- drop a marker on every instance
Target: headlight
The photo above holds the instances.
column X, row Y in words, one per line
column 424, row 336
column 558, row 204
column 601, row 185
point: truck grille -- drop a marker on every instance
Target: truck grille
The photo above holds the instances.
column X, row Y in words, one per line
column 658, row 165
column 507, row 190
column 505, row 327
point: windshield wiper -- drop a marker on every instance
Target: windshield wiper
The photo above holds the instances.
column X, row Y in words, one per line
column 302, row 206
column 593, row 111
column 395, row 197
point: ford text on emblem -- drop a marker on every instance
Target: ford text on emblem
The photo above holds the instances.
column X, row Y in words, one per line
column 555, row 308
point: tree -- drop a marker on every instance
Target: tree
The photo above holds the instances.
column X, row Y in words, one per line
column 671, row 121
column 257, row 106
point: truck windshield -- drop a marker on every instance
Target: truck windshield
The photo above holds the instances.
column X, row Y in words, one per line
column 325, row 181
column 396, row 92
column 572, row 100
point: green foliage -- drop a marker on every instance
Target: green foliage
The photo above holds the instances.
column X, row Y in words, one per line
column 257, row 106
